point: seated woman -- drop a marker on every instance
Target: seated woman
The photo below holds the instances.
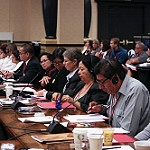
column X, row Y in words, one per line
column 3, row 55
column 46, row 61
column 16, row 60
column 72, row 57
column 58, row 79
column 87, row 90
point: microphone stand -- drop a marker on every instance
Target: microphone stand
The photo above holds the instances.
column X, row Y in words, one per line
column 17, row 102
column 55, row 126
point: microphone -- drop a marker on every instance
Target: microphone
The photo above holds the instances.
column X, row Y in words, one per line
column 55, row 126
column 16, row 103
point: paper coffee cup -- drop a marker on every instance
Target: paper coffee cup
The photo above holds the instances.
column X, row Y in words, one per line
column 9, row 91
column 79, row 137
column 108, row 134
column 95, row 142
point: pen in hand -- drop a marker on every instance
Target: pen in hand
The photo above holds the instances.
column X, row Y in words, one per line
column 93, row 109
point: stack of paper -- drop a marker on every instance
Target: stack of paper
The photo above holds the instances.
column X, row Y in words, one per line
column 25, row 89
column 6, row 103
column 86, row 118
column 43, row 119
column 53, row 137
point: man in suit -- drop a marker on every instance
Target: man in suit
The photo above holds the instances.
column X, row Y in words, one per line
column 30, row 67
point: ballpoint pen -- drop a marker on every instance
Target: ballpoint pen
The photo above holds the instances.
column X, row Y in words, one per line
column 111, row 147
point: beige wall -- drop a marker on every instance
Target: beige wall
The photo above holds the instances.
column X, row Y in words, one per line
column 24, row 18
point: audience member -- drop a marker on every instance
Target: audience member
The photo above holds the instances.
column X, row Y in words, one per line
column 86, row 90
column 105, row 49
column 30, row 67
column 145, row 134
column 58, row 78
column 141, row 55
column 46, row 61
column 128, row 106
column 72, row 57
column 88, row 47
column 96, row 47
column 118, row 52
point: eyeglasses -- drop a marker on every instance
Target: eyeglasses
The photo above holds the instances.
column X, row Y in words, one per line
column 57, row 62
column 102, row 82
column 43, row 61
column 21, row 53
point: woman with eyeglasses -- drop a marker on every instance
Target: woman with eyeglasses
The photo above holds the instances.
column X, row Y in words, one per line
column 56, row 82
column 72, row 57
column 46, row 61
column 87, row 89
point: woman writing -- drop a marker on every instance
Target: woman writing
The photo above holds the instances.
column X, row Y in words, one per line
column 87, row 89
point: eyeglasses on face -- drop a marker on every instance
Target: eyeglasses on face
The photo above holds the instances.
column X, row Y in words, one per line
column 21, row 53
column 102, row 82
column 43, row 61
column 57, row 62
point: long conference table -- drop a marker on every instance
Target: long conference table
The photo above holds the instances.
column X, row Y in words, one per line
column 9, row 118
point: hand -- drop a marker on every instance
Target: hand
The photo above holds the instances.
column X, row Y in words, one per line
column 94, row 107
column 55, row 96
column 44, row 81
column 67, row 98
column 8, row 75
column 40, row 93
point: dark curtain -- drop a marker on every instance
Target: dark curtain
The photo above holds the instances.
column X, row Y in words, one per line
column 50, row 17
column 87, row 17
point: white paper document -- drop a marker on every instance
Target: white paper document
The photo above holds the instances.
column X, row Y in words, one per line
column 86, row 118
column 26, row 89
column 132, row 67
column 22, row 85
column 6, row 101
column 144, row 65
column 44, row 119
column 99, row 131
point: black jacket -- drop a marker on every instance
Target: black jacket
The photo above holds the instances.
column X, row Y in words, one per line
column 57, row 82
column 71, row 84
column 32, row 69
column 94, row 94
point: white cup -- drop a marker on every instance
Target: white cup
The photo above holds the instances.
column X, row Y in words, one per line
column 9, row 91
column 8, row 83
column 80, row 136
column 142, row 145
column 95, row 141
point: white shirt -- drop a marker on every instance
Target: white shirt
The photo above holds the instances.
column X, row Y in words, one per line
column 7, row 64
column 17, row 66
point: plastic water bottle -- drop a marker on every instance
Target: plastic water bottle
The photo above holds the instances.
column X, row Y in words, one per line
column 58, row 104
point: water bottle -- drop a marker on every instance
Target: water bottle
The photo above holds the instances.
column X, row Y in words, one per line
column 58, row 104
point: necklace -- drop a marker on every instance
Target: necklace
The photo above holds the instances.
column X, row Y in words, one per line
column 83, row 91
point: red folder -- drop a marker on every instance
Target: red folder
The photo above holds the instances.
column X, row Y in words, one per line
column 123, row 138
column 52, row 105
